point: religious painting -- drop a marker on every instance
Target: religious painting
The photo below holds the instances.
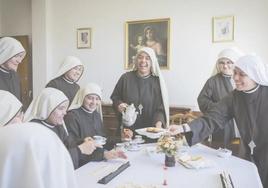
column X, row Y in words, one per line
column 84, row 38
column 223, row 29
column 148, row 33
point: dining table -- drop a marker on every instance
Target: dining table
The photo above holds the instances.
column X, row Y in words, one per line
column 147, row 170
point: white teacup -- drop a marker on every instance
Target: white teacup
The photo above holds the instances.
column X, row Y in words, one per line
column 138, row 139
column 133, row 145
column 100, row 140
column 120, row 147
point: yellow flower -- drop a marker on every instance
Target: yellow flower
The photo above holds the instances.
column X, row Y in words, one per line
column 167, row 145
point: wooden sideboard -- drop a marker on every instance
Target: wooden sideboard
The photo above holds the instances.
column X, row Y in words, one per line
column 111, row 123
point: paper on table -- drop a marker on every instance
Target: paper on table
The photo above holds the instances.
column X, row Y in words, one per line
column 105, row 168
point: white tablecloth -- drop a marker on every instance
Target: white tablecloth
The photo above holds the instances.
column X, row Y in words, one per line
column 147, row 171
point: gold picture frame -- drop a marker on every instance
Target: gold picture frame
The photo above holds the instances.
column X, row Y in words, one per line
column 154, row 33
column 84, row 38
column 223, row 29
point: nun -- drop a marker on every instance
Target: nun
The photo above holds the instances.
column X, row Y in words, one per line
column 48, row 109
column 67, row 77
column 11, row 55
column 84, row 117
column 144, row 87
column 11, row 109
column 34, row 157
column 217, row 87
column 248, row 105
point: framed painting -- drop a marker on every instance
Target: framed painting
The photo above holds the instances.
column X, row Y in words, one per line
column 84, row 38
column 148, row 33
column 223, row 29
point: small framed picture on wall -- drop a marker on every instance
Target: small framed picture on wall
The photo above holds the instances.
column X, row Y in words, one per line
column 84, row 38
column 223, row 29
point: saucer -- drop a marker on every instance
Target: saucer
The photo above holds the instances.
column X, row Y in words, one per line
column 136, row 148
column 100, row 140
column 101, row 143
column 141, row 141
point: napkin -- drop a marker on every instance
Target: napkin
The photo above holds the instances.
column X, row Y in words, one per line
column 194, row 162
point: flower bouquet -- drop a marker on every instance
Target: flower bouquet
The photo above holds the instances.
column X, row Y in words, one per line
column 169, row 145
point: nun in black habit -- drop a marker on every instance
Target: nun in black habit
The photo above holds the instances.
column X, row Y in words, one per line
column 248, row 105
column 84, row 118
column 217, row 87
column 11, row 109
column 144, row 87
column 67, row 77
column 11, row 55
column 48, row 109
column 32, row 156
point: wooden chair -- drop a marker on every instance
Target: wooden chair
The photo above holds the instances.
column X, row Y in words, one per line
column 180, row 118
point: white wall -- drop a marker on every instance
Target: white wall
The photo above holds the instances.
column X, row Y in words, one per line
column 1, row 12
column 40, row 44
column 15, row 17
column 192, row 53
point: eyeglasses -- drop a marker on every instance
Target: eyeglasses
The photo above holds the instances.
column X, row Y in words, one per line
column 225, row 63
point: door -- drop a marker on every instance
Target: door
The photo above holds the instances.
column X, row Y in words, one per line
column 25, row 72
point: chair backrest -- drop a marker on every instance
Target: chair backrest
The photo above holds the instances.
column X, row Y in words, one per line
column 180, row 118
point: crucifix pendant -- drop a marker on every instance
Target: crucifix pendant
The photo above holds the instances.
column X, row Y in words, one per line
column 252, row 145
column 140, row 107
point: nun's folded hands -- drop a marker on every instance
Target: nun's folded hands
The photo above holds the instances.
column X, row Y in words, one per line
column 87, row 147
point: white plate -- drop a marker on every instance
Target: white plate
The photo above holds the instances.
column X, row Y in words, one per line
column 144, row 132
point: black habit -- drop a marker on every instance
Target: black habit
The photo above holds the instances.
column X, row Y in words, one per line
column 68, row 88
column 141, row 91
column 10, row 81
column 217, row 87
column 250, row 113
